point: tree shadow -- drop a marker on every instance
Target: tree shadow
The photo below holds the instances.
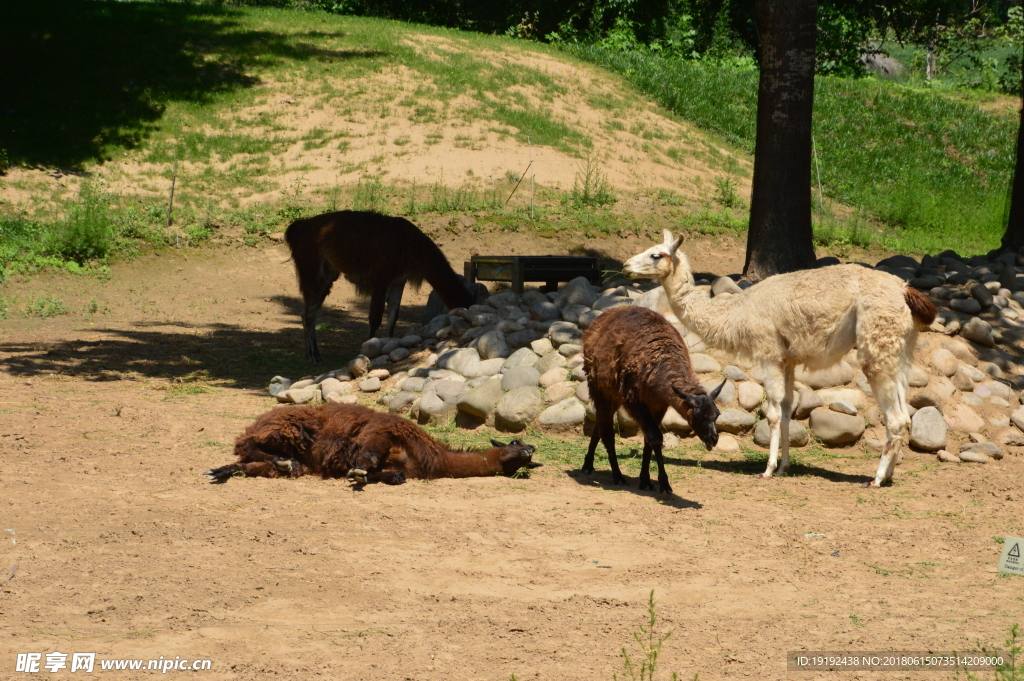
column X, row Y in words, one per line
column 185, row 351
column 82, row 77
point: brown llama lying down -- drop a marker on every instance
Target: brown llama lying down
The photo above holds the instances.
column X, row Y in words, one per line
column 634, row 358
column 348, row 440
column 378, row 254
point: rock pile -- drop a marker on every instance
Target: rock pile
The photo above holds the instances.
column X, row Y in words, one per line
column 516, row 361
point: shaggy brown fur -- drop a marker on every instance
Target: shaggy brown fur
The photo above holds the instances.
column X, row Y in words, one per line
column 921, row 307
column 336, row 440
column 378, row 254
column 634, row 358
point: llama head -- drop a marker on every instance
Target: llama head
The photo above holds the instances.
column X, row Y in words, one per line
column 659, row 261
column 515, row 455
column 703, row 413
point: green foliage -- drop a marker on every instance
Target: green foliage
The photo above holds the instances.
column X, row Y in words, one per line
column 369, row 195
column 932, row 168
column 650, row 649
column 46, row 306
column 590, row 187
column 725, row 192
column 87, row 231
column 1010, row 670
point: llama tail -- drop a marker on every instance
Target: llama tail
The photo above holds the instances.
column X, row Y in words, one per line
column 920, row 306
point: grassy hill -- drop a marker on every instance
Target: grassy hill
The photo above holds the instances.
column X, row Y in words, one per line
column 260, row 115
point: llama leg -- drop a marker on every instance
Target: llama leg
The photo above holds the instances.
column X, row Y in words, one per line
column 789, row 372
column 652, row 441
column 891, row 397
column 394, row 303
column 588, row 460
column 313, row 296
column 256, row 469
column 774, row 388
column 377, row 307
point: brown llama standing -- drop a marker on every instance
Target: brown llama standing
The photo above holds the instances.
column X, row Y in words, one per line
column 378, row 254
column 347, row 440
column 634, row 358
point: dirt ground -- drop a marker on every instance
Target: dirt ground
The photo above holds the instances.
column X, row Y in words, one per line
column 110, row 414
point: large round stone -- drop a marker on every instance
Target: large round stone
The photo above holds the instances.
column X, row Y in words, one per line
column 568, row 413
column 798, row 436
column 928, row 429
column 518, row 377
column 518, row 407
column 834, row 428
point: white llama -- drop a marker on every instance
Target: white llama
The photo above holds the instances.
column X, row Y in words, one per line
column 812, row 318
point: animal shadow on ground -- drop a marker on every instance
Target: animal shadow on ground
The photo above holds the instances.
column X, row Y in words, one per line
column 753, row 467
column 603, row 479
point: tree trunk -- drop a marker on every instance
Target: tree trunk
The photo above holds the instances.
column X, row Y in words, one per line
column 780, row 236
column 1013, row 238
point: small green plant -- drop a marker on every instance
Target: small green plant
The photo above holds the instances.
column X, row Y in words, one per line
column 197, row 234
column 369, row 195
column 590, row 187
column 5, row 307
column 87, row 231
column 46, row 306
column 650, row 648
column 725, row 192
column 1010, row 670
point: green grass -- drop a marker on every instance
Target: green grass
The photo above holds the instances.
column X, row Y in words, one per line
column 934, row 169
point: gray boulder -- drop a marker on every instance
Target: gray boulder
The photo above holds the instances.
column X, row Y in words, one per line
column 704, row 364
column 564, row 332
column 550, row 361
column 735, row 421
column 568, row 413
column 492, row 344
column 979, row 331
column 517, row 408
column 579, row 291
column 928, row 430
column 481, row 400
column 278, row 384
column 834, row 428
column 523, row 357
column 798, row 436
column 518, row 377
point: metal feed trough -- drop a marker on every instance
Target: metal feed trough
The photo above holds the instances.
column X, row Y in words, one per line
column 517, row 269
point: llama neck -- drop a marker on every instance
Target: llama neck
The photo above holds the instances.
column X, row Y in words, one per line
column 442, row 278
column 709, row 319
column 471, row 464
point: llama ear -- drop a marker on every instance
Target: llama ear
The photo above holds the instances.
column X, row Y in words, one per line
column 718, row 390
column 667, row 237
column 497, row 444
column 685, row 396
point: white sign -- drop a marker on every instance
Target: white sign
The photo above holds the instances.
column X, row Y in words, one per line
column 1012, row 560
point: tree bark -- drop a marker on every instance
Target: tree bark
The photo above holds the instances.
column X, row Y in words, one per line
column 780, row 238
column 1013, row 238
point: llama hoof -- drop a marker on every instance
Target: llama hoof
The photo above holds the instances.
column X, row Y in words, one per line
column 218, row 476
column 647, row 485
column 283, row 465
column 667, row 489
column 764, row 476
column 884, row 483
column 356, row 475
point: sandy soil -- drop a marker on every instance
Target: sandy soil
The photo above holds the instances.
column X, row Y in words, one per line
column 107, row 420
